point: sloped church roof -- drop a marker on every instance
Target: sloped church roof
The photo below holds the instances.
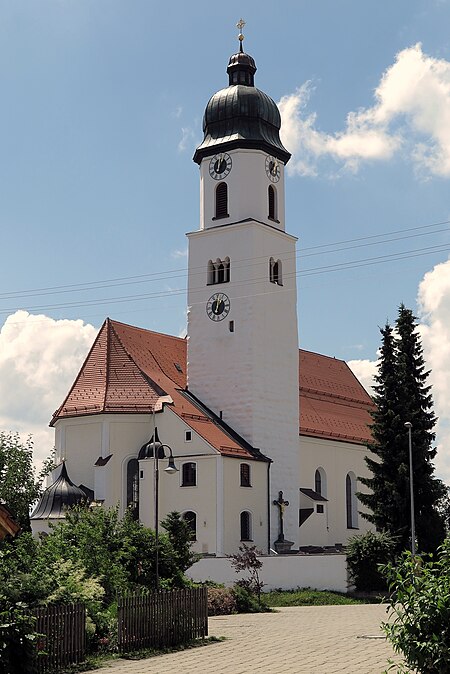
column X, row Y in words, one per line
column 128, row 369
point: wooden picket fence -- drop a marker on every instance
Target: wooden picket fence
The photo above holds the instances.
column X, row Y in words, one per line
column 161, row 619
column 62, row 639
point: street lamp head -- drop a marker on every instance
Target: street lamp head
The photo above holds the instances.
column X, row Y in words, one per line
column 171, row 468
column 408, row 424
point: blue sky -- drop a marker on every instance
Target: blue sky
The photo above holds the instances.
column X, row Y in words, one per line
column 102, row 109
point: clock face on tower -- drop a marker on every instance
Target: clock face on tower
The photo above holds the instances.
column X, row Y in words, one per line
column 220, row 166
column 273, row 169
column 218, row 306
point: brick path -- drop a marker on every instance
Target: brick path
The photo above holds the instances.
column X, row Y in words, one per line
column 295, row 640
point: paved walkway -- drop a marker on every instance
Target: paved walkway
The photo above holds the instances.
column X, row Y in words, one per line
column 295, row 640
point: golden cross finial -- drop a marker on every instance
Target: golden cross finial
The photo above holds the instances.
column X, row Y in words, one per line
column 240, row 24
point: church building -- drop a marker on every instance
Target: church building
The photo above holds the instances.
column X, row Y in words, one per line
column 255, row 440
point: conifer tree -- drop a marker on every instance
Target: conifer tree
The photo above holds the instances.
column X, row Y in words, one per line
column 401, row 395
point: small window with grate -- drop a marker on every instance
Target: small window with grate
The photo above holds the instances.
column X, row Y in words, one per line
column 221, row 200
column 245, row 475
column 246, row 526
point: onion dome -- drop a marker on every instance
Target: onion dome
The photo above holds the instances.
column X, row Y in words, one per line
column 146, row 451
column 62, row 494
column 241, row 116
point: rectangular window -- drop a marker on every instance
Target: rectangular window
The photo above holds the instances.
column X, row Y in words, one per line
column 231, row 326
column 188, row 436
column 320, row 508
column 189, row 475
column 245, row 475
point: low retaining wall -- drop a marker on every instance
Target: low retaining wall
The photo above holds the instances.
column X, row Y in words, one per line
column 320, row 572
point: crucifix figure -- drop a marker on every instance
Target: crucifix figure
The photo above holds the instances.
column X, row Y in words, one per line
column 282, row 504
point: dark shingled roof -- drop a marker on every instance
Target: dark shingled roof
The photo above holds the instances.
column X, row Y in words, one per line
column 241, row 116
column 62, row 494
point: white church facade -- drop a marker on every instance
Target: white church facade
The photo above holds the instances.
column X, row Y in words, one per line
column 269, row 440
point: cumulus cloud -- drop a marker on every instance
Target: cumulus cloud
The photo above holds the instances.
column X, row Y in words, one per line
column 39, row 359
column 364, row 370
column 410, row 115
column 433, row 302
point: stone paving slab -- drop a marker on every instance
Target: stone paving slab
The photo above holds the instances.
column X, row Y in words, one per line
column 294, row 640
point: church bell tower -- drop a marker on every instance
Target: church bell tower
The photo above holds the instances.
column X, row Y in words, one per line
column 242, row 302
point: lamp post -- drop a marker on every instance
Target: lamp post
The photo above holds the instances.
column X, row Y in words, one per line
column 408, row 425
column 158, row 453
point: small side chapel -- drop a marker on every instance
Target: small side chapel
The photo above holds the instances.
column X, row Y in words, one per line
column 268, row 440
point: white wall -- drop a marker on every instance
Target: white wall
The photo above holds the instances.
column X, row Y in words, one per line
column 247, row 190
column 337, row 459
column 320, row 572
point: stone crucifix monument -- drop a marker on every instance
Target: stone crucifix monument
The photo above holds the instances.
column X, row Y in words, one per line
column 281, row 545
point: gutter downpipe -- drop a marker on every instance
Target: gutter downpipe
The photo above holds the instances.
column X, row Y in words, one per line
column 268, row 506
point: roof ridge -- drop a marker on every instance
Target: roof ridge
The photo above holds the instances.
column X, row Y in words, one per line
column 144, row 375
column 165, row 374
column 154, row 332
column 77, row 378
column 322, row 355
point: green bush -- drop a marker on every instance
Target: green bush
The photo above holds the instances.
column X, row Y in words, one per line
column 420, row 611
column 365, row 554
column 247, row 601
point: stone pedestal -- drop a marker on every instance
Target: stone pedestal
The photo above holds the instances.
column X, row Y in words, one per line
column 282, row 546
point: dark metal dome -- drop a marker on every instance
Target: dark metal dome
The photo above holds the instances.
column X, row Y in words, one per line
column 62, row 494
column 241, row 115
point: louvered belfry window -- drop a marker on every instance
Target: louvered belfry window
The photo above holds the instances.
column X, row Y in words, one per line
column 271, row 194
column 222, row 200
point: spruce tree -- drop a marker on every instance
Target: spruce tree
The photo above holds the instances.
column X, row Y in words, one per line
column 401, row 395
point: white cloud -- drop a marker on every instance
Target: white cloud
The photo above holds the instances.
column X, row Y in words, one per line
column 179, row 253
column 39, row 359
column 434, row 327
column 364, row 370
column 187, row 136
column 411, row 115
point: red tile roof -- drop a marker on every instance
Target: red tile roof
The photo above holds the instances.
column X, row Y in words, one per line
column 128, row 369
column 333, row 404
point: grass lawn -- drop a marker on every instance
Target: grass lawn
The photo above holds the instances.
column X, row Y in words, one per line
column 307, row 597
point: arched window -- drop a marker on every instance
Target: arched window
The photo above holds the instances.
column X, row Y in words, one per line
column 275, row 271
column 210, row 276
column 133, row 487
column 221, row 200
column 246, row 526
column 245, row 475
column 191, row 519
column 320, row 482
column 218, row 271
column 226, row 266
column 272, row 198
column 189, row 474
column 350, row 501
